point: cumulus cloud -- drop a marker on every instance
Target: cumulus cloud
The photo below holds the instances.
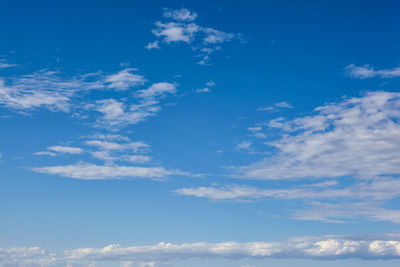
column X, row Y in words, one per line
column 26, row 256
column 367, row 71
column 355, row 137
column 325, row 247
column 366, row 247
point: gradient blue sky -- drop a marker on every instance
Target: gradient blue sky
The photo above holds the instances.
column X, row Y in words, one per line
column 207, row 133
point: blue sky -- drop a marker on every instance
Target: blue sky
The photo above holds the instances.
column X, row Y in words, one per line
column 208, row 133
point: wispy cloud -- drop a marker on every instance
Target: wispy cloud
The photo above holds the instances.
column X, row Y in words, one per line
column 102, row 172
column 124, row 79
column 182, row 14
column 152, row 45
column 276, row 107
column 362, row 200
column 111, row 153
column 355, row 137
column 56, row 92
column 66, row 149
column 117, row 113
column 206, row 89
column 183, row 29
column 4, row 64
column 367, row 71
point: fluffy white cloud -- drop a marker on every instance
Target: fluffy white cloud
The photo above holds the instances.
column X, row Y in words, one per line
column 26, row 256
column 180, row 14
column 118, row 113
column 355, row 137
column 182, row 29
column 366, row 71
column 325, row 247
column 124, row 79
column 176, row 32
column 367, row 247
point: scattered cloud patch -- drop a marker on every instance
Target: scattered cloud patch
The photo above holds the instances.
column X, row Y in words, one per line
column 4, row 64
column 325, row 144
column 206, row 89
column 182, row 14
column 244, row 145
column 117, row 113
column 111, row 150
column 152, row 45
column 183, row 29
column 277, row 107
column 124, row 79
column 367, row 71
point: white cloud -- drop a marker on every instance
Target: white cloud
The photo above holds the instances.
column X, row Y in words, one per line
column 26, row 256
column 180, row 14
column 355, row 137
column 205, row 40
column 244, row 145
column 203, row 90
column 206, row 89
column 157, row 90
column 124, row 79
column 277, row 107
column 376, row 189
column 364, row 200
column 325, row 247
column 53, row 91
column 210, row 84
column 135, row 158
column 176, row 32
column 4, row 64
column 66, row 149
column 152, row 45
column 367, row 71
column 117, row 113
column 330, row 247
column 88, row 171
column 45, row 153
column 105, row 145
column 213, row 36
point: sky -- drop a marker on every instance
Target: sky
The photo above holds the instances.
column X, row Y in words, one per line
column 199, row 133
